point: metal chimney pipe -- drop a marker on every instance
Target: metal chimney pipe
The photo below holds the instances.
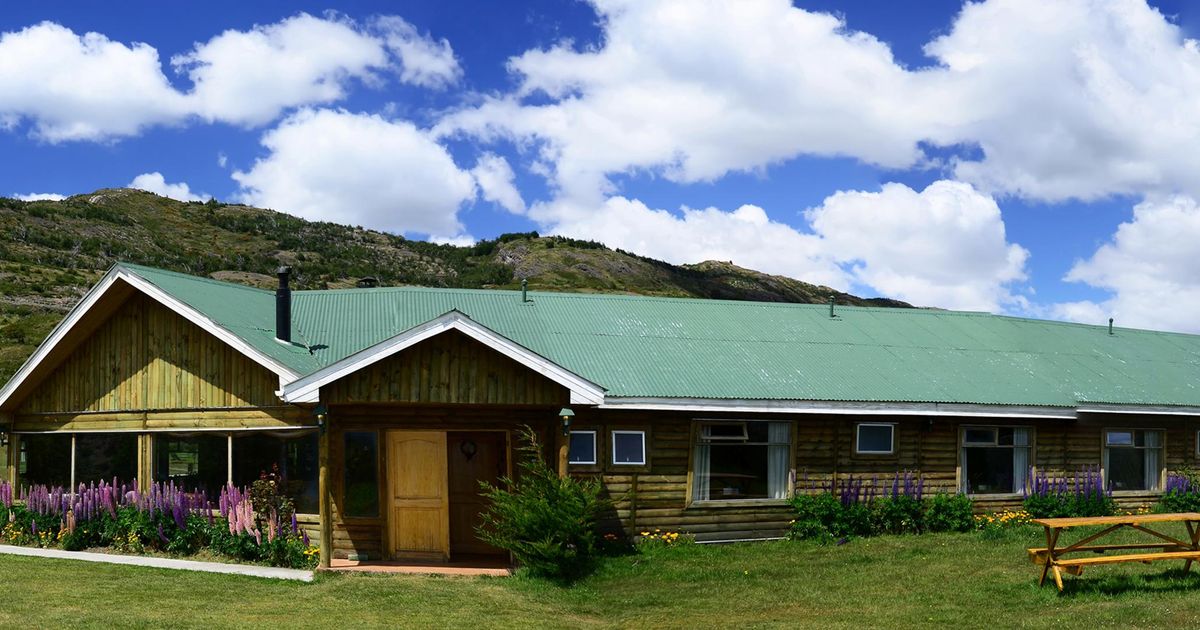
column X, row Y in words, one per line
column 283, row 305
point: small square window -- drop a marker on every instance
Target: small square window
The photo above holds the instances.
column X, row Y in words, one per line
column 875, row 439
column 629, row 448
column 582, row 450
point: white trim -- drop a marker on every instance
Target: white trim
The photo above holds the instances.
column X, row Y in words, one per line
column 710, row 405
column 100, row 290
column 308, row 389
column 1152, row 410
column 614, row 435
column 858, row 438
column 594, row 461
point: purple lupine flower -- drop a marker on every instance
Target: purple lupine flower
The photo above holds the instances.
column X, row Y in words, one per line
column 162, row 536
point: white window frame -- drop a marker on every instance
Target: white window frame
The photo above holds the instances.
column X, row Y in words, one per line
column 614, row 435
column 595, row 444
column 858, row 440
column 1162, row 456
column 995, row 443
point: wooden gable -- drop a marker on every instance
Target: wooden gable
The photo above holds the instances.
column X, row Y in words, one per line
column 447, row 368
column 146, row 357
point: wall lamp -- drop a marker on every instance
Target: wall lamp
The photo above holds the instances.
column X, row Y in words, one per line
column 322, row 413
column 566, row 414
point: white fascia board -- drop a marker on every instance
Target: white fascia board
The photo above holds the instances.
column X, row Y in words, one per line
column 98, row 291
column 307, row 389
column 1150, row 410
column 710, row 405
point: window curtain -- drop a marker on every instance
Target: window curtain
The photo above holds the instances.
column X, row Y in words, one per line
column 1153, row 453
column 777, row 459
column 1020, row 458
column 701, row 465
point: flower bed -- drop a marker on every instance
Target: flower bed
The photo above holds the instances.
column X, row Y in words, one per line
column 866, row 507
column 165, row 519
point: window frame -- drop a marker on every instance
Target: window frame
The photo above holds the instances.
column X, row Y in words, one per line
column 697, row 434
column 1162, row 456
column 595, row 433
column 613, row 433
column 858, row 438
column 995, row 443
column 339, row 444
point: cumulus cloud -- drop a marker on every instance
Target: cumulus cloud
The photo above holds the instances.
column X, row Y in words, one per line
column 424, row 61
column 943, row 246
column 157, row 184
column 82, row 87
column 40, row 197
column 359, row 169
column 72, row 87
column 1150, row 267
column 495, row 179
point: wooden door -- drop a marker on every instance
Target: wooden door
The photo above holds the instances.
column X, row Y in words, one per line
column 418, row 501
column 474, row 456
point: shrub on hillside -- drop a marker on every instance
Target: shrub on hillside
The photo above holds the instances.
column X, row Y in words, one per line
column 549, row 523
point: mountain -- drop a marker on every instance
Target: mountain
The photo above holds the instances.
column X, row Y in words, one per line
column 51, row 252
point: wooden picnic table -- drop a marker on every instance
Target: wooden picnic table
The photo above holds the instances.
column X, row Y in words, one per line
column 1168, row 547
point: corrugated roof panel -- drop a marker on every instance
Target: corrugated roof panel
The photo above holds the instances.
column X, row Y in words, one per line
column 678, row 347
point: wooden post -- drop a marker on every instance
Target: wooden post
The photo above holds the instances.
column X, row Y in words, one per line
column 562, row 452
column 325, row 500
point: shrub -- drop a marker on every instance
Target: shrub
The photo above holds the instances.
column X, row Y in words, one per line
column 549, row 523
column 949, row 513
column 1182, row 492
column 901, row 514
column 858, row 507
column 1050, row 497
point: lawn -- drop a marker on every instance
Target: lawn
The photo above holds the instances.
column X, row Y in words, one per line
column 959, row 580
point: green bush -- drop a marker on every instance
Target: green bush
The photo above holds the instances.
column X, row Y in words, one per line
column 949, row 513
column 901, row 514
column 549, row 523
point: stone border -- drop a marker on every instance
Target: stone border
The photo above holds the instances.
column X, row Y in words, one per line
column 163, row 563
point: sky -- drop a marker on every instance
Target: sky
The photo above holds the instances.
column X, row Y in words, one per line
column 1020, row 157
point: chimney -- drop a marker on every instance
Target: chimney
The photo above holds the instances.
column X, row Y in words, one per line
column 283, row 305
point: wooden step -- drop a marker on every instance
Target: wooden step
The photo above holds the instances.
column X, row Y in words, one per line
column 1130, row 557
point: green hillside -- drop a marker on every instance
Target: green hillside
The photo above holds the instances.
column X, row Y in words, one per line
column 52, row 251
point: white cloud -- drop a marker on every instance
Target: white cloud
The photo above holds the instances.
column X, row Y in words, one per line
column 943, row 246
column 222, row 159
column 423, row 61
column 82, row 87
column 157, row 184
column 1151, row 267
column 248, row 77
column 495, row 179
column 359, row 169
column 40, row 197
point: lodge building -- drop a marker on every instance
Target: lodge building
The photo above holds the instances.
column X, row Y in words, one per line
column 384, row 407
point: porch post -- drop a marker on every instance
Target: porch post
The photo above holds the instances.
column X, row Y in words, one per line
column 325, row 501
column 562, row 453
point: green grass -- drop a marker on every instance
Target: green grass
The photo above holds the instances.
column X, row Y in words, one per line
column 944, row 580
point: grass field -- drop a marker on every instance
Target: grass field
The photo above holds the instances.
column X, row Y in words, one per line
column 959, row 580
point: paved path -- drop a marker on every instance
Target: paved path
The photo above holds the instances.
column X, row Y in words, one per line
column 163, row 563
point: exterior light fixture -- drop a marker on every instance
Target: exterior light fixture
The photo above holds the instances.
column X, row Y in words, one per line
column 322, row 413
column 566, row 414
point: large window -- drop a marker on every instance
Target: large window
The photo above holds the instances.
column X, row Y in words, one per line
column 198, row 461
column 45, row 458
column 582, row 449
column 741, row 460
column 995, row 460
column 1133, row 459
column 105, row 456
column 361, row 481
column 292, row 455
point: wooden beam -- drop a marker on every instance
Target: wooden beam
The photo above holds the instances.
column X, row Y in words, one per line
column 325, row 489
column 562, row 442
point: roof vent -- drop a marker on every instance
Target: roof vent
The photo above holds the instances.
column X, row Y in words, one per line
column 1110, row 322
column 832, row 301
column 283, row 305
column 524, row 290
column 369, row 282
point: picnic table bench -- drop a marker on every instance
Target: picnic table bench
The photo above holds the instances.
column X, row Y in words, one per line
column 1165, row 547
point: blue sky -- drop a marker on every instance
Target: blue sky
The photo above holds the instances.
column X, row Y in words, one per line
column 1012, row 156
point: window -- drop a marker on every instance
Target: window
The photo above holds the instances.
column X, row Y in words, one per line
column 629, row 448
column 361, row 482
column 875, row 439
column 995, row 460
column 582, row 450
column 1133, row 459
column 45, row 458
column 105, row 456
column 291, row 454
column 198, row 461
column 755, row 465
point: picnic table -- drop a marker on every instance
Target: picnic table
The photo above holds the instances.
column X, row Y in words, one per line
column 1051, row 557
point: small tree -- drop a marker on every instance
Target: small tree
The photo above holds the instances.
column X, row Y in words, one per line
column 549, row 523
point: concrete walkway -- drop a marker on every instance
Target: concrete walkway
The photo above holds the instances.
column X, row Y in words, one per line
column 163, row 563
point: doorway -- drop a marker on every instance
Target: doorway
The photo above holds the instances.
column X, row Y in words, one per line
column 434, row 501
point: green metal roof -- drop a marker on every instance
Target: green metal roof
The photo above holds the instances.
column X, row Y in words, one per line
column 689, row 348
